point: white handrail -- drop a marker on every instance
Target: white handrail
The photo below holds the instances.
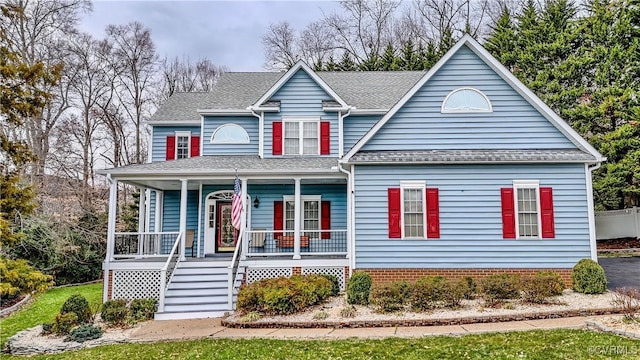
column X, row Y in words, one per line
column 163, row 272
column 231, row 273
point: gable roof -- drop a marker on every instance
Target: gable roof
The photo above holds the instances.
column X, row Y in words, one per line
column 507, row 76
column 470, row 156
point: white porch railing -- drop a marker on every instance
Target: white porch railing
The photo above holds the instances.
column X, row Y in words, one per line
column 234, row 268
column 279, row 242
column 141, row 245
column 168, row 269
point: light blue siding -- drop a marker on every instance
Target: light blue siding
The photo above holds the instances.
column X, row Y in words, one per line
column 152, row 211
column 470, row 218
column 250, row 125
column 159, row 141
column 355, row 126
column 171, row 213
column 262, row 216
column 513, row 124
column 300, row 96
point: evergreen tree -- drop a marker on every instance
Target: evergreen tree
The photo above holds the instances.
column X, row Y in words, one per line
column 372, row 63
column 331, row 64
column 388, row 59
column 408, row 58
column 431, row 56
column 502, row 41
column 346, row 64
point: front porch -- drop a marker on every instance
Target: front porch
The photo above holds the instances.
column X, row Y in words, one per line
column 187, row 255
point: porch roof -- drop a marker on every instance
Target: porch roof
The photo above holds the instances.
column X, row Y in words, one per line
column 472, row 156
column 227, row 165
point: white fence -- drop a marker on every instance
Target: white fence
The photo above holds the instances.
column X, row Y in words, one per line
column 615, row 224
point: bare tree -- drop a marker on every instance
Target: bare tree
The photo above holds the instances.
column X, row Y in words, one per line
column 134, row 60
column 37, row 34
column 449, row 19
column 182, row 75
column 280, row 46
column 316, row 43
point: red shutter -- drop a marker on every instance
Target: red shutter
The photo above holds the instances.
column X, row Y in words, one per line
column 326, row 219
column 546, row 212
column 278, row 217
column 325, row 138
column 393, row 195
column 508, row 214
column 276, row 138
column 171, row 147
column 433, row 213
column 195, row 146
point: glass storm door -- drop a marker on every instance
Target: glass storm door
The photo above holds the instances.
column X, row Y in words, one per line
column 226, row 234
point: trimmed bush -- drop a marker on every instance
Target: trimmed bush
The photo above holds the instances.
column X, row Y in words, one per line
column 455, row 291
column 588, row 277
column 335, row 285
column 47, row 328
column 143, row 309
column 115, row 312
column 64, row 323
column 358, row 288
column 498, row 287
column 389, row 297
column 79, row 305
column 541, row 286
column 284, row 296
column 428, row 292
column 84, row 333
column 471, row 287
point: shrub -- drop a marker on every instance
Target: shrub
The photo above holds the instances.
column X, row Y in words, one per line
column 47, row 328
column 79, row 305
column 348, row 311
column 389, row 297
column 84, row 333
column 283, row 296
column 358, row 288
column 64, row 323
column 251, row 316
column 542, row 285
column 498, row 287
column 335, row 285
column 143, row 309
column 18, row 277
column 471, row 287
column 427, row 292
column 455, row 291
column 115, row 312
column 588, row 277
column 628, row 299
column 320, row 315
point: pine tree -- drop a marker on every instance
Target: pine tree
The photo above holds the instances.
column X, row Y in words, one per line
column 408, row 58
column 502, row 41
column 431, row 56
column 388, row 59
column 331, row 64
column 346, row 64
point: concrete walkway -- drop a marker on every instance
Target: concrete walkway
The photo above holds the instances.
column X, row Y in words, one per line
column 212, row 328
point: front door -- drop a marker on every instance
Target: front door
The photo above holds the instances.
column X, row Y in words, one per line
column 226, row 234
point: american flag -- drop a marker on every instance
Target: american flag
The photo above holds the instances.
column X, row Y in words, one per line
column 236, row 205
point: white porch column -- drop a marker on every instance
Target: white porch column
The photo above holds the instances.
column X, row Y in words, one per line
column 142, row 215
column 111, row 231
column 243, row 220
column 157, row 224
column 183, row 217
column 297, row 221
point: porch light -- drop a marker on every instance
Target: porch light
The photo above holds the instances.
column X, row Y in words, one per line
column 256, row 202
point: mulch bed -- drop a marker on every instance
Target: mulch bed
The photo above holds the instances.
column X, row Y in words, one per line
column 10, row 303
column 614, row 244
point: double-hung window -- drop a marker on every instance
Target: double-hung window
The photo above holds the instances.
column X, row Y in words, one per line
column 527, row 208
column 182, row 144
column 413, row 209
column 310, row 214
column 301, row 137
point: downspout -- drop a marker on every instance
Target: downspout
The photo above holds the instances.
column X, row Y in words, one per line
column 341, row 131
column 350, row 217
column 260, row 131
column 590, row 210
column 110, row 238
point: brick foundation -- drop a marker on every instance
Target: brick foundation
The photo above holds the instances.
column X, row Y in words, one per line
column 296, row 270
column 109, row 284
column 389, row 275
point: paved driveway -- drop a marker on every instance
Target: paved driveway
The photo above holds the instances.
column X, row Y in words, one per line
column 622, row 271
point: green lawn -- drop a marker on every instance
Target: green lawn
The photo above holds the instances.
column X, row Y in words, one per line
column 541, row 344
column 45, row 307
column 554, row 344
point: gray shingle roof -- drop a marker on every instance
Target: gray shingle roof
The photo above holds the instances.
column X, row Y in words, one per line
column 227, row 164
column 238, row 90
column 471, row 156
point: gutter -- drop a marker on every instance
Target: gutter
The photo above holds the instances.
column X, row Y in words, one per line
column 351, row 215
column 589, row 169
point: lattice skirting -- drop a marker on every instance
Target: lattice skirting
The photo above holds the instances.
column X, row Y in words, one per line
column 256, row 274
column 338, row 272
column 135, row 284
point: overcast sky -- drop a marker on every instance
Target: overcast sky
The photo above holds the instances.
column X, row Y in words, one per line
column 227, row 32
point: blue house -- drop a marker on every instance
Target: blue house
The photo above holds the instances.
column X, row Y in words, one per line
column 458, row 171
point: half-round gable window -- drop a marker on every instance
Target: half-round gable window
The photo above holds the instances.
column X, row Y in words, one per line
column 230, row 134
column 466, row 100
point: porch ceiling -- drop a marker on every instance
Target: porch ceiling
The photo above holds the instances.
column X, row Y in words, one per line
column 194, row 184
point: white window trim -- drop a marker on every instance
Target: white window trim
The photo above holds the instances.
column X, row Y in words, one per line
column 229, row 142
column 186, row 134
column 527, row 184
column 303, row 198
column 444, row 102
column 300, row 120
column 417, row 185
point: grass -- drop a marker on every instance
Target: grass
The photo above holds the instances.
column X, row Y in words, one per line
column 45, row 307
column 539, row 344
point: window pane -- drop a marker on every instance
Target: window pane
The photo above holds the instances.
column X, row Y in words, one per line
column 230, row 133
column 466, row 100
column 311, row 216
column 310, row 135
column 527, row 212
column 182, row 147
column 289, row 215
column 291, row 138
column 413, row 213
